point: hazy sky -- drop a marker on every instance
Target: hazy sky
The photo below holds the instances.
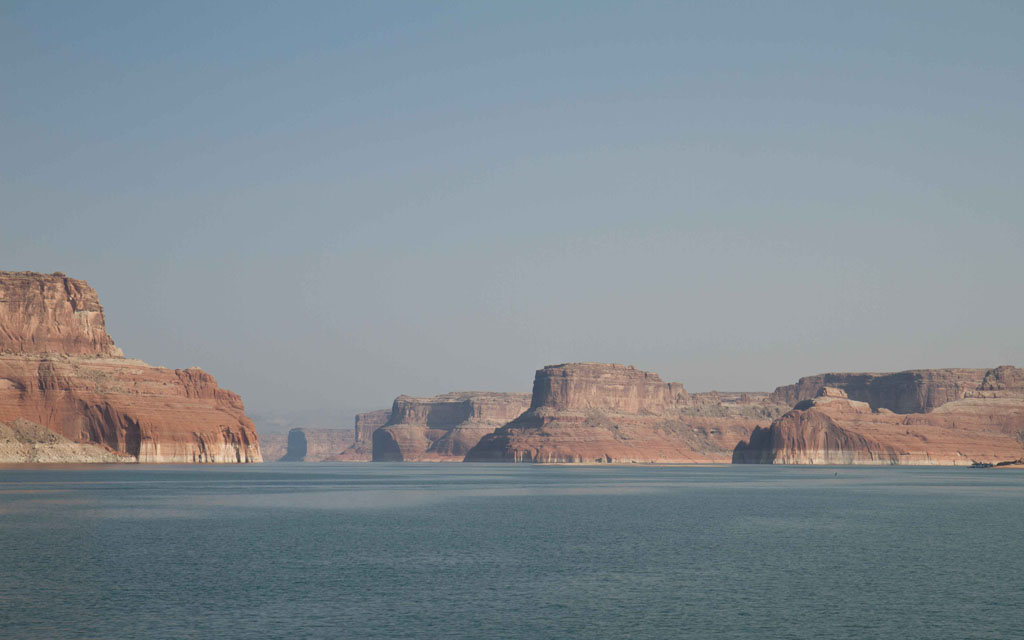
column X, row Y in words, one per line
column 328, row 204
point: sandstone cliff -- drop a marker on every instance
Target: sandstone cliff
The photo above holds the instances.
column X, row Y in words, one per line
column 316, row 445
column 445, row 427
column 914, row 391
column 592, row 412
column 365, row 426
column 51, row 314
column 23, row 441
column 985, row 425
column 60, row 369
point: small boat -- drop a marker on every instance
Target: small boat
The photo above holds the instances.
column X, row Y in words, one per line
column 981, row 465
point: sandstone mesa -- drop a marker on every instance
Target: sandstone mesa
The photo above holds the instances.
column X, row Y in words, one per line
column 60, row 369
column 929, row 416
column 445, row 427
column 594, row 412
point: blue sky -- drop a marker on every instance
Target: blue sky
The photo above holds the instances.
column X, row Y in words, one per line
column 329, row 204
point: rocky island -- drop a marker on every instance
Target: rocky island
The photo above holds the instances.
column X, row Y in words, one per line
column 59, row 369
column 594, row 412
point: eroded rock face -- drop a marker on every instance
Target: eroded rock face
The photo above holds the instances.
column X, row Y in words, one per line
column 445, row 427
column 51, row 314
column 985, row 425
column 316, row 445
column 591, row 412
column 23, row 441
column 914, row 391
column 362, row 447
column 367, row 423
column 607, row 387
column 60, row 369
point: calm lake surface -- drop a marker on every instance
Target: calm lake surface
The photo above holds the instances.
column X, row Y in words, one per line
column 510, row 551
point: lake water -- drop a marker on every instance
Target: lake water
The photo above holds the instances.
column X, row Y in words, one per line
column 510, row 551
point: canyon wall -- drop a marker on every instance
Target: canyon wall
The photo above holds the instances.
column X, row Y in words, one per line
column 914, row 391
column 316, row 445
column 273, row 446
column 443, row 428
column 594, row 412
column 366, row 424
column 981, row 424
column 60, row 369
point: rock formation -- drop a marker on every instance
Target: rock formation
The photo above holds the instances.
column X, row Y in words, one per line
column 52, row 314
column 362, row 447
column 60, row 369
column 983, row 422
column 591, row 412
column 445, row 427
column 273, row 446
column 914, row 391
column 23, row 441
column 316, row 445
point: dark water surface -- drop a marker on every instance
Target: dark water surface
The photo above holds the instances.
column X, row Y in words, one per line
column 510, row 551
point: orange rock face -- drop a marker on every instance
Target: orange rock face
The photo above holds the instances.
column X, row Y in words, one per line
column 984, row 424
column 60, row 369
column 445, row 427
column 51, row 314
column 591, row 412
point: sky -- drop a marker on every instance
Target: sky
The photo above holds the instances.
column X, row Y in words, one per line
column 326, row 205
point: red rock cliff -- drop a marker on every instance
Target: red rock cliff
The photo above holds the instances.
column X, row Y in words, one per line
column 591, row 412
column 445, row 427
column 60, row 369
column 51, row 314
column 914, row 391
column 610, row 387
column 985, row 425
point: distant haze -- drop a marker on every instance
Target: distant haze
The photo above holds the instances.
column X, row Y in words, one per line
column 328, row 204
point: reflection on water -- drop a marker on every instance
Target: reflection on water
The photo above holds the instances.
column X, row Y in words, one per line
column 509, row 551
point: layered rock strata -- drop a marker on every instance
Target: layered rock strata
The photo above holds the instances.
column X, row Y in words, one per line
column 593, row 412
column 913, row 391
column 60, row 369
column 273, row 446
column 362, row 447
column 443, row 428
column 22, row 441
column 52, row 313
column 986, row 424
column 316, row 445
